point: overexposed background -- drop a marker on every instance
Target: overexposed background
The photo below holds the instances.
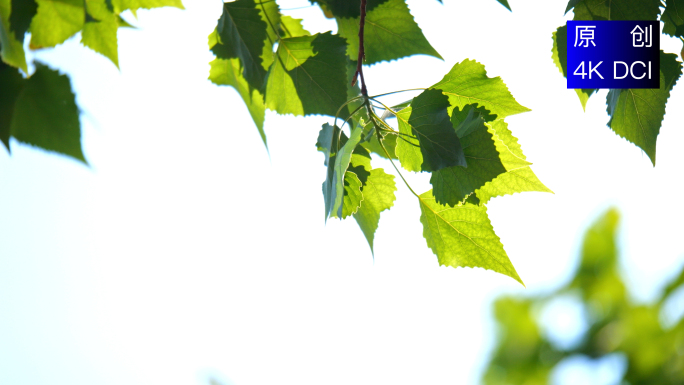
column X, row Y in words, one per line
column 187, row 251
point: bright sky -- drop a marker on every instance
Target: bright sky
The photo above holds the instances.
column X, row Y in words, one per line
column 187, row 251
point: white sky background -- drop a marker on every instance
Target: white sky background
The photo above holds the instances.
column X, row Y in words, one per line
column 185, row 250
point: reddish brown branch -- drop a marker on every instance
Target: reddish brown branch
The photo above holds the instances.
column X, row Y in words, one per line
column 362, row 53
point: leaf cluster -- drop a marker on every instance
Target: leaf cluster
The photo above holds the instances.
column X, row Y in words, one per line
column 635, row 114
column 39, row 108
column 525, row 354
column 454, row 129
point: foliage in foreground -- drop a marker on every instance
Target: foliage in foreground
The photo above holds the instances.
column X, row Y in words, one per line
column 654, row 353
column 635, row 114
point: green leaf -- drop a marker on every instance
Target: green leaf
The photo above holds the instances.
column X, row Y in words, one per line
column 228, row 72
column 46, row 115
column 291, row 27
column 519, row 177
column 308, row 76
column 56, row 21
column 390, row 33
column 352, row 196
column 346, row 8
column 330, row 140
column 242, row 33
column 408, row 146
column 340, row 189
column 11, row 48
column 505, row 4
column 559, row 54
column 122, row 5
column 673, row 18
column 571, row 5
column 467, row 83
column 451, row 185
column 342, row 160
column 597, row 278
column 11, row 84
column 430, row 124
column 636, row 114
column 20, row 18
column 463, row 236
column 617, row 10
column 100, row 35
column 390, row 143
column 378, row 196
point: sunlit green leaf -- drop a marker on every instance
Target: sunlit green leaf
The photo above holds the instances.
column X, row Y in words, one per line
column 228, row 72
column 390, row 33
column 637, row 114
column 56, row 21
column 122, row 5
column 451, row 185
column 408, row 146
column 378, row 196
column 351, row 198
column 463, row 236
column 292, row 27
column 467, row 83
column 309, row 76
column 100, row 34
column 519, row 177
column 46, row 115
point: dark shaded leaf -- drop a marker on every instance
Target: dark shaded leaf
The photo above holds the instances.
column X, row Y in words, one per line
column 11, row 84
column 505, row 4
column 451, row 185
column 673, row 18
column 617, row 10
column 46, row 115
column 346, row 8
column 430, row 124
column 242, row 33
column 308, row 76
column 21, row 16
column 637, row 114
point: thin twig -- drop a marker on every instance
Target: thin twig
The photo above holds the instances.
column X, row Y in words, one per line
column 362, row 52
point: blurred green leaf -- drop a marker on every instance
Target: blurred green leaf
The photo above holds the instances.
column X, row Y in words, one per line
column 46, row 115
